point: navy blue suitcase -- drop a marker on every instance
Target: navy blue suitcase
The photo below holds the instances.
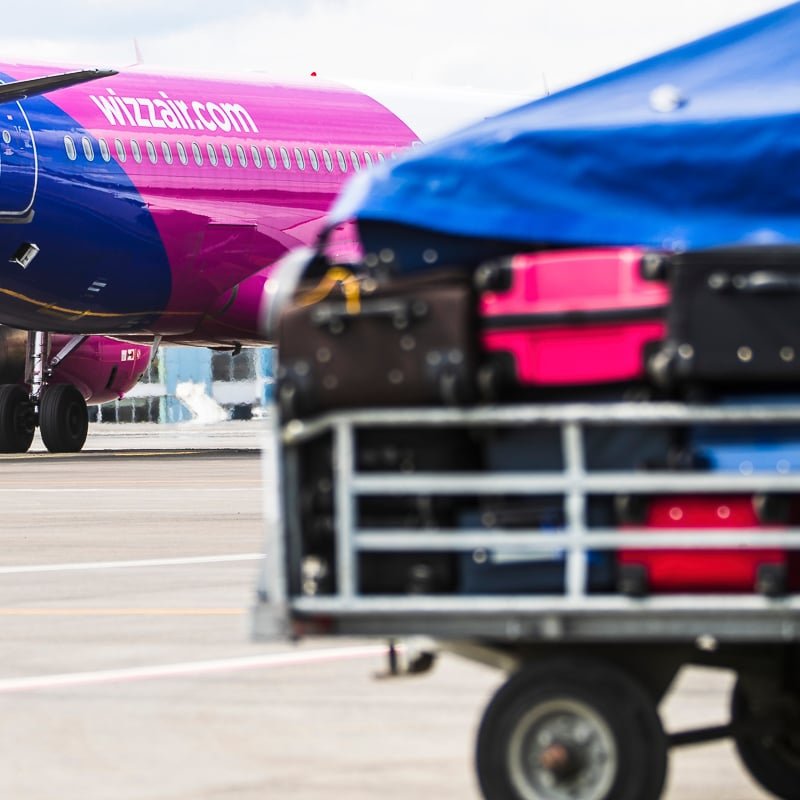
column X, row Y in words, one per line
column 486, row 571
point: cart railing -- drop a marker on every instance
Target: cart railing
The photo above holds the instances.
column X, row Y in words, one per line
column 575, row 484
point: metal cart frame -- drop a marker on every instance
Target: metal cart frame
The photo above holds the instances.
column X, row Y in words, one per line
column 570, row 652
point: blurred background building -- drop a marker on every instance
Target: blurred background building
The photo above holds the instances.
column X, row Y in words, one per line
column 186, row 383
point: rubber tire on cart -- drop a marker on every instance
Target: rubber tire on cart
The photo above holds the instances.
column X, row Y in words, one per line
column 594, row 724
column 771, row 758
column 17, row 421
column 63, row 418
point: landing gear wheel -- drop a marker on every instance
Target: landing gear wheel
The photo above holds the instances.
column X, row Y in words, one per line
column 571, row 730
column 63, row 418
column 771, row 755
column 17, row 419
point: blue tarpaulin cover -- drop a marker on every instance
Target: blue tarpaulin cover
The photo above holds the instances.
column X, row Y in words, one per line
column 696, row 147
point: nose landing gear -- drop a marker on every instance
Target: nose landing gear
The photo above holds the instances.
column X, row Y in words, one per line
column 58, row 409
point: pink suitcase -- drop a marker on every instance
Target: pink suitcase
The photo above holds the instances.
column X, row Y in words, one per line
column 570, row 317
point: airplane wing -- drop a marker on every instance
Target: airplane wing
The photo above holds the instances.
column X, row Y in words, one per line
column 19, row 90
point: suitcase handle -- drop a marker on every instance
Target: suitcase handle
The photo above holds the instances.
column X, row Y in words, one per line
column 760, row 282
column 399, row 310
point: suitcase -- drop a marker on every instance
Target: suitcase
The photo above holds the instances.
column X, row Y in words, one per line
column 606, row 448
column 708, row 571
column 569, row 317
column 405, row 342
column 733, row 318
column 748, row 449
column 489, row 571
column 378, row 450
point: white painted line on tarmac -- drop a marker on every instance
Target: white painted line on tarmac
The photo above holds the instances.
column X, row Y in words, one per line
column 150, row 488
column 189, row 669
column 150, row 562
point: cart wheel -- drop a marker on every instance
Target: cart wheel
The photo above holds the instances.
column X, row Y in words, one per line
column 771, row 755
column 571, row 730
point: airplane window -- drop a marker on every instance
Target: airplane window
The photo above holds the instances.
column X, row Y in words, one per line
column 393, row 155
column 313, row 158
column 88, row 150
column 212, row 154
column 137, row 151
column 381, row 157
column 242, row 155
column 167, row 151
column 69, row 145
column 326, row 157
column 298, row 156
column 256, row 156
column 122, row 156
column 226, row 155
column 151, row 152
column 198, row 155
column 354, row 159
column 342, row 161
column 182, row 153
column 273, row 162
column 285, row 158
column 104, row 151
column 368, row 158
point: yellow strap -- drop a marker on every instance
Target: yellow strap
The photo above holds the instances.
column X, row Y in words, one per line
column 336, row 276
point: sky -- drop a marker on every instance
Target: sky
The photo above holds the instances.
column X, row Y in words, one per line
column 526, row 46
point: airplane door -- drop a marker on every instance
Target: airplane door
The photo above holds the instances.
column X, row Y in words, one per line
column 18, row 162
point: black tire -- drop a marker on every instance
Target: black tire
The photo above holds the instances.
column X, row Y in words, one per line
column 17, row 419
column 771, row 756
column 600, row 717
column 63, row 418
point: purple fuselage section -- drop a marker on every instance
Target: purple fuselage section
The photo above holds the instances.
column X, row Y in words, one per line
column 157, row 204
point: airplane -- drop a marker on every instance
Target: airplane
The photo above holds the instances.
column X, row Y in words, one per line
column 139, row 208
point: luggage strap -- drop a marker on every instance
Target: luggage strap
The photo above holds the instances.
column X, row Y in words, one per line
column 336, row 276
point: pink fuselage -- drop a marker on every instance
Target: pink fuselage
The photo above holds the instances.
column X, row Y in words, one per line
column 135, row 238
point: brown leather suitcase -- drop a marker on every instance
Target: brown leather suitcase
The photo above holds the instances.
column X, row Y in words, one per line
column 361, row 342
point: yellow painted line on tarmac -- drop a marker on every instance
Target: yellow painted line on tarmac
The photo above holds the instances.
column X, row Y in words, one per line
column 122, row 612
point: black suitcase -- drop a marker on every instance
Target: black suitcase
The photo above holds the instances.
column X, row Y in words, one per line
column 733, row 318
column 382, row 450
column 408, row 341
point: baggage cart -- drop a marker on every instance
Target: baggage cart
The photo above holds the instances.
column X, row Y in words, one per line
column 578, row 715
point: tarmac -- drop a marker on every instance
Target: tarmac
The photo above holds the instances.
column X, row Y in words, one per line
column 127, row 670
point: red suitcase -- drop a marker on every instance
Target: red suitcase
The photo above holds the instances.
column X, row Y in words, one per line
column 572, row 317
column 710, row 570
